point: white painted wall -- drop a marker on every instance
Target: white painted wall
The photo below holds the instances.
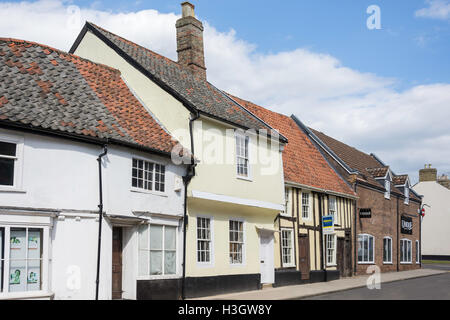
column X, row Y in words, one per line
column 63, row 175
column 435, row 225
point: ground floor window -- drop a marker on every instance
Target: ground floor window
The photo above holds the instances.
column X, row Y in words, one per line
column 157, row 250
column 365, row 248
column 387, row 250
column 417, row 252
column 203, row 240
column 330, row 243
column 236, row 242
column 405, row 251
column 287, row 242
column 21, row 258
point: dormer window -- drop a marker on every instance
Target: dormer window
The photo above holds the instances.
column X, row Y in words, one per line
column 406, row 194
column 387, row 186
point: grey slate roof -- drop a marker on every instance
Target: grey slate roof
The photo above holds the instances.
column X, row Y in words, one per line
column 196, row 92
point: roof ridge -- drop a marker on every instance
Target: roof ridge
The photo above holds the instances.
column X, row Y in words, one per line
column 71, row 55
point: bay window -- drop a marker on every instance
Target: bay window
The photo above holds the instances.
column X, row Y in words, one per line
column 21, row 257
column 365, row 249
column 287, row 250
column 405, row 251
column 157, row 250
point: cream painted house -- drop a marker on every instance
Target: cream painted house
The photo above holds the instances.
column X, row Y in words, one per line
column 236, row 189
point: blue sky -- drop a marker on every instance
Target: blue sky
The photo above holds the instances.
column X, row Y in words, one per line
column 383, row 91
column 411, row 49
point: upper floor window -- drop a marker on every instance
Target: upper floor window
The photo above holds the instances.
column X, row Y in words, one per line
column 407, row 195
column 236, row 241
column 148, row 176
column 333, row 209
column 286, row 202
column 366, row 248
column 306, row 205
column 242, row 155
column 387, row 186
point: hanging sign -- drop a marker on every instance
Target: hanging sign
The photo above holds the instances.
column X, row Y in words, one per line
column 407, row 225
column 328, row 224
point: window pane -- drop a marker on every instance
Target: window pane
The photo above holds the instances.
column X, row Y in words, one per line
column 155, row 263
column 371, row 249
column 17, row 276
column 143, row 261
column 143, row 237
column 7, row 149
column 6, row 172
column 156, row 237
column 34, row 259
column 170, row 262
column 170, row 238
column 1, row 259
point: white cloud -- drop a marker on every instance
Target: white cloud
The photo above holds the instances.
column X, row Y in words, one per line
column 405, row 128
column 437, row 9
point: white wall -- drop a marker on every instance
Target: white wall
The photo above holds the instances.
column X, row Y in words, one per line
column 435, row 225
column 63, row 175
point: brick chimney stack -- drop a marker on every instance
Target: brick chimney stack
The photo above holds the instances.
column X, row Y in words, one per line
column 190, row 41
column 428, row 174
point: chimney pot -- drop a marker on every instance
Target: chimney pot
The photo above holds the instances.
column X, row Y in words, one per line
column 187, row 9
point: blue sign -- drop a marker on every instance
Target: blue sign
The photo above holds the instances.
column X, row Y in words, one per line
column 328, row 224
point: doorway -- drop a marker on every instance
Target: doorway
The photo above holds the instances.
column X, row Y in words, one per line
column 266, row 250
column 117, row 263
column 303, row 256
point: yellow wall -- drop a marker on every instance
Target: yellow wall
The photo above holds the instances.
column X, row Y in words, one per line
column 221, row 214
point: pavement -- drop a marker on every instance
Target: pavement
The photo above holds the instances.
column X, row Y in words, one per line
column 321, row 288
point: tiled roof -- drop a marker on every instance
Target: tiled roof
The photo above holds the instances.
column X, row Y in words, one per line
column 367, row 165
column 303, row 163
column 195, row 91
column 378, row 172
column 48, row 89
column 400, row 180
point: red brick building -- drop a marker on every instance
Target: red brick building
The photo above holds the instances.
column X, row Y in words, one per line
column 387, row 222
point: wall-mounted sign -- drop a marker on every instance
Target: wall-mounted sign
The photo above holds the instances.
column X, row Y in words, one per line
column 365, row 213
column 407, row 225
column 328, row 224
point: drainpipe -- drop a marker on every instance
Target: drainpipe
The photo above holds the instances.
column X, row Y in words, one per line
column 187, row 179
column 398, row 238
column 100, row 217
column 354, row 232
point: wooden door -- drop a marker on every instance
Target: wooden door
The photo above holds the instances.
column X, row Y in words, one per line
column 341, row 256
column 348, row 256
column 117, row 264
column 303, row 256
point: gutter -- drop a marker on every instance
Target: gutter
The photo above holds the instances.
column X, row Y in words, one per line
column 334, row 193
column 186, row 180
column 100, row 216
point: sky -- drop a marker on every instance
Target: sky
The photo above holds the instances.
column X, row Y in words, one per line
column 384, row 91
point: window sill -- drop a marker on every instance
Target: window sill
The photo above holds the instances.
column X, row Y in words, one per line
column 332, row 265
column 26, row 295
column 11, row 190
column 406, row 263
column 162, row 277
column 289, row 266
column 244, row 179
column 155, row 193
column 388, row 263
column 366, row 263
column 205, row 265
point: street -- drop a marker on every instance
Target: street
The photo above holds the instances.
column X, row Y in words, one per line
column 427, row 288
